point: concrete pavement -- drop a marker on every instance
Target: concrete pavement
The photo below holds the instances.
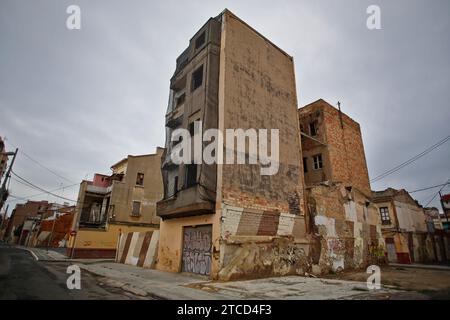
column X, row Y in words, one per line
column 177, row 286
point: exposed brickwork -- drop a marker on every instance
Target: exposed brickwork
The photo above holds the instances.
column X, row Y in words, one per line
column 343, row 156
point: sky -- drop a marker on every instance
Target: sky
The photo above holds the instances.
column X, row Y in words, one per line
column 76, row 101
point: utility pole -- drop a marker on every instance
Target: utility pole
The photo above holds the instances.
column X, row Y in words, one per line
column 3, row 190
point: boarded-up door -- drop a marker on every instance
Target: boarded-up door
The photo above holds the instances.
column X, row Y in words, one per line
column 390, row 247
column 197, row 249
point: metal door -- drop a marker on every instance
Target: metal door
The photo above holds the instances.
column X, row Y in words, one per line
column 197, row 249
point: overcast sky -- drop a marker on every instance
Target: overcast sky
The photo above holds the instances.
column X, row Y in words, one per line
column 78, row 101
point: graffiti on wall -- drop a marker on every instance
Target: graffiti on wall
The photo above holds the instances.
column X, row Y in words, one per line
column 197, row 250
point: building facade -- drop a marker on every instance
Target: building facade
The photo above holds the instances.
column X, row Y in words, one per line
column 345, row 225
column 30, row 209
column 122, row 202
column 228, row 221
column 3, row 158
column 404, row 227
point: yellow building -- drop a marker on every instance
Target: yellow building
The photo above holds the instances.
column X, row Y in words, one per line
column 122, row 202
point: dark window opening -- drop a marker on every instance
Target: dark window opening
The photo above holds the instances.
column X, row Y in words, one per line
column 313, row 128
column 175, row 185
column 318, row 162
column 191, row 175
column 140, row 179
column 200, row 40
column 305, row 164
column 197, row 78
column 180, row 99
column 136, row 208
column 385, row 218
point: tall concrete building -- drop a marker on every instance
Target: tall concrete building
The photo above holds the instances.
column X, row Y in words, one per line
column 227, row 220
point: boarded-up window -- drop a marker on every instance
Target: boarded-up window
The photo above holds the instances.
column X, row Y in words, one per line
column 136, row 208
column 140, row 179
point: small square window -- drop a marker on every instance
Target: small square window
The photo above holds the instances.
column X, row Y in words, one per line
column 200, row 41
column 140, row 179
column 318, row 162
column 197, row 78
column 136, row 209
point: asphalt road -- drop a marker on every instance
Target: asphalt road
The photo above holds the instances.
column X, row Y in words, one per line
column 24, row 278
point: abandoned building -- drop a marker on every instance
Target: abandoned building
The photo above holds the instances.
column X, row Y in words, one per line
column 345, row 223
column 124, row 201
column 228, row 221
column 407, row 237
column 22, row 212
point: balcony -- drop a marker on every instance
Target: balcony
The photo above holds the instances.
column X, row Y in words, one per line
column 187, row 202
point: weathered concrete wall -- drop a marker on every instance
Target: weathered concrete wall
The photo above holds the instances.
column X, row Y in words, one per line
column 261, row 215
column 125, row 192
column 170, row 249
column 138, row 248
column 346, row 227
column 94, row 243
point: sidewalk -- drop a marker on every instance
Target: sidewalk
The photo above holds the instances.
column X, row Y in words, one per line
column 421, row 266
column 177, row 286
column 52, row 255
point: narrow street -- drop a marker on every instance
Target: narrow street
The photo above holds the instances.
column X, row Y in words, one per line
column 22, row 277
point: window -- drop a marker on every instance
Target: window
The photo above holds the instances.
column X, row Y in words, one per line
column 313, row 130
column 305, row 164
column 140, row 179
column 175, row 185
column 192, row 127
column 200, row 40
column 180, row 99
column 191, row 175
column 318, row 162
column 385, row 219
column 197, row 78
column 136, row 208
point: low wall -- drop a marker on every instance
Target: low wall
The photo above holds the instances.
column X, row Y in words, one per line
column 138, row 248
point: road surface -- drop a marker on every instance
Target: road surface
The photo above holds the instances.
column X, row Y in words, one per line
column 24, row 278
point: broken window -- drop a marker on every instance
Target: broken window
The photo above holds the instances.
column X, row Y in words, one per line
column 197, row 78
column 385, row 218
column 313, row 128
column 140, row 179
column 305, row 164
column 200, row 40
column 136, row 208
column 318, row 162
column 191, row 175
